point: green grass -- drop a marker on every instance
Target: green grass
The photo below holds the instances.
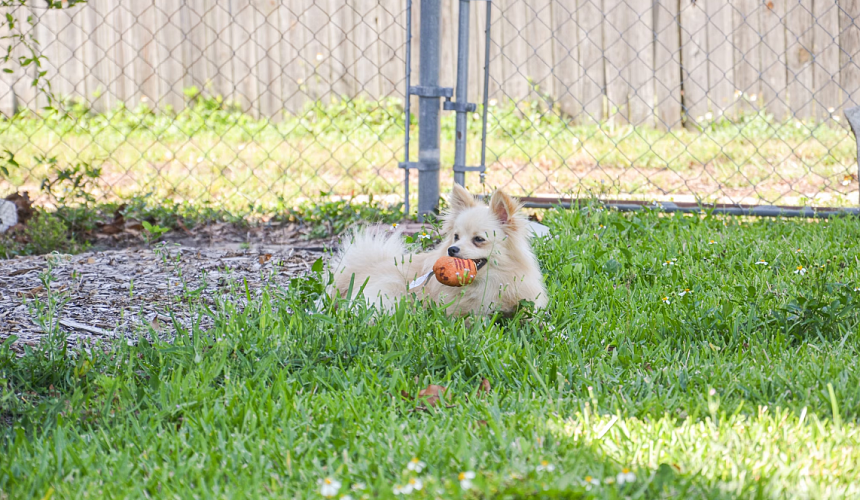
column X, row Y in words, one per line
column 746, row 386
column 210, row 151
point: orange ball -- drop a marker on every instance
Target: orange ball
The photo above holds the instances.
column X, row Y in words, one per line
column 453, row 271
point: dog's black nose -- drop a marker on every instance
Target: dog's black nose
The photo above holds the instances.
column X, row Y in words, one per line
column 453, row 251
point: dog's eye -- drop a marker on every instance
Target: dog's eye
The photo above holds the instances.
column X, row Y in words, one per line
column 456, row 237
column 478, row 239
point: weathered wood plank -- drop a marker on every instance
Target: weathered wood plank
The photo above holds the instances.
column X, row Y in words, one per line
column 826, row 58
column 104, row 72
column 591, row 29
column 798, row 48
column 774, row 87
column 721, row 88
column 171, row 69
column 747, row 58
column 538, row 38
column 849, row 54
column 7, row 80
column 667, row 64
column 567, row 70
column 694, row 61
column 145, row 62
column 514, row 51
column 245, row 55
column 617, row 58
column 269, row 74
column 92, row 55
column 390, row 24
column 640, row 69
column 293, row 67
column 219, row 48
column 342, row 51
column 122, row 54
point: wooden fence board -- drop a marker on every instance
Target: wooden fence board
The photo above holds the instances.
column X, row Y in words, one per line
column 567, row 68
column 746, row 54
column 774, row 87
column 826, row 58
column 667, row 64
column 849, row 54
column 798, row 48
column 721, row 87
column 640, row 69
column 694, row 60
column 591, row 29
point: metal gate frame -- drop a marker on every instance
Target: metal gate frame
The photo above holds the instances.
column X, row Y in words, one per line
column 429, row 128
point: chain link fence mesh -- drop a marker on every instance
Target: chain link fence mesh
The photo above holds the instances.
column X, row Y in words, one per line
column 271, row 101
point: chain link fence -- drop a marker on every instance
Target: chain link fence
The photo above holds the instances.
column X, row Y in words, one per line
column 267, row 102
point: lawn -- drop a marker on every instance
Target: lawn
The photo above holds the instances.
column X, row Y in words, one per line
column 212, row 152
column 680, row 357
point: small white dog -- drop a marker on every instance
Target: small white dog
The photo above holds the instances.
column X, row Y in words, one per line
column 498, row 233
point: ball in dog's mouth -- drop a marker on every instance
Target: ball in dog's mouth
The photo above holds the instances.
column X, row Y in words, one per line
column 454, row 271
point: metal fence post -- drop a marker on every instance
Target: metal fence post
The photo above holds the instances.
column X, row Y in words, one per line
column 853, row 116
column 429, row 126
column 462, row 91
column 462, row 106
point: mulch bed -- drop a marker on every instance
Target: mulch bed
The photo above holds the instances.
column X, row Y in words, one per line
column 122, row 291
column 138, row 291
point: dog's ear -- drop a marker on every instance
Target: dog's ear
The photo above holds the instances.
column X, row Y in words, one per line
column 460, row 199
column 503, row 206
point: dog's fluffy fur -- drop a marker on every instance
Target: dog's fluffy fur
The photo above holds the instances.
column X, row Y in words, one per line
column 498, row 233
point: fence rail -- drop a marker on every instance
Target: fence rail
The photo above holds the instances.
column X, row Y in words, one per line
column 702, row 72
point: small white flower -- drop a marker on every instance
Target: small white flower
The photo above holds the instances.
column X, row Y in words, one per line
column 402, row 490
column 319, row 56
column 625, row 476
column 800, row 270
column 199, row 159
column 545, row 466
column 241, row 147
column 712, row 392
column 590, row 482
column 666, row 300
column 837, row 118
column 415, row 465
column 709, row 116
column 329, row 487
column 857, row 289
column 684, row 292
column 345, row 497
column 358, row 487
column 753, row 97
column 831, row 109
column 415, row 483
column 712, row 242
column 423, row 236
column 466, row 479
column 799, row 250
column 492, row 102
column 670, row 262
column 761, row 262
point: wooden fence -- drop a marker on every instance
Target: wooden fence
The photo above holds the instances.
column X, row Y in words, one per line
column 655, row 62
